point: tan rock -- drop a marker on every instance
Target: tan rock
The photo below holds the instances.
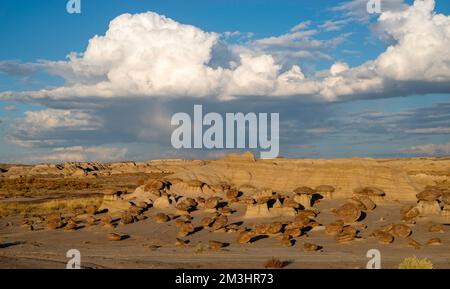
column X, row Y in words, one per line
column 154, row 185
column 179, row 222
column 304, row 200
column 446, row 198
column 294, row 232
column 219, row 223
column 70, row 227
column 127, row 218
column 52, row 225
column 349, row 230
column 383, row 237
column 114, row 237
column 376, row 194
column 162, row 218
column 401, row 230
column 257, row 211
column 180, row 242
column 335, row 228
column 275, row 228
column 302, row 221
column 232, row 228
column 232, row 194
column 211, row 203
column 206, row 222
column 115, row 207
column 54, row 217
column 304, row 190
column 91, row 210
column 414, row 244
column 434, row 241
column 216, row 245
column 307, row 213
column 437, row 228
column 293, row 203
column 349, row 213
column 162, row 202
column 107, row 219
column 428, row 195
column 344, row 237
column 226, row 211
column 260, row 228
column 369, row 191
column 286, row 241
column 426, row 208
column 282, row 212
column 186, row 229
column 366, row 202
column 326, row 191
column 309, row 247
column 245, row 237
column 91, row 219
column 409, row 212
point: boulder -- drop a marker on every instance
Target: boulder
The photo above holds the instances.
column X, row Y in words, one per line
column 304, row 200
column 162, row 203
column 326, row 191
column 257, row 211
column 428, row 208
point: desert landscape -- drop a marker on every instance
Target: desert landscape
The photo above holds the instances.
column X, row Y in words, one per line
column 196, row 135
column 234, row 212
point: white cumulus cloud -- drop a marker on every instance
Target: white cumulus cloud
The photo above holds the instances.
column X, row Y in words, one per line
column 50, row 119
column 429, row 149
column 83, row 154
column 356, row 10
column 150, row 55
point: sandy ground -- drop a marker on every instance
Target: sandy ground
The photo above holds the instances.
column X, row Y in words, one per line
column 152, row 245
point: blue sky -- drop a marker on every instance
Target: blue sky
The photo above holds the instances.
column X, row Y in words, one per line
column 373, row 120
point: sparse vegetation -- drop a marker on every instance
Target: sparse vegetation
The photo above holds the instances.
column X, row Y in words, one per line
column 273, row 263
column 66, row 205
column 199, row 248
column 31, row 186
column 415, row 263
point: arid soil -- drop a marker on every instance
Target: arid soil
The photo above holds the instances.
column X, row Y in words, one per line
column 237, row 212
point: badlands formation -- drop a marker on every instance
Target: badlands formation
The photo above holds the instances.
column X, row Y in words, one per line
column 236, row 212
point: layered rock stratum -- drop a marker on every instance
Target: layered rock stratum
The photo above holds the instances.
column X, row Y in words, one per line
column 401, row 179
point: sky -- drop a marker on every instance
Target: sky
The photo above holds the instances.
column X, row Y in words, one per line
column 103, row 85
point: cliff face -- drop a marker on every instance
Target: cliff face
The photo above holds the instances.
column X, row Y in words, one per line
column 92, row 169
column 400, row 178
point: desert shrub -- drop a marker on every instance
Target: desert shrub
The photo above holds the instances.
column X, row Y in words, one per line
column 68, row 205
column 273, row 263
column 415, row 263
column 199, row 248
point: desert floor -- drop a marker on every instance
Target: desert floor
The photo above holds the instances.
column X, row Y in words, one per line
column 152, row 245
